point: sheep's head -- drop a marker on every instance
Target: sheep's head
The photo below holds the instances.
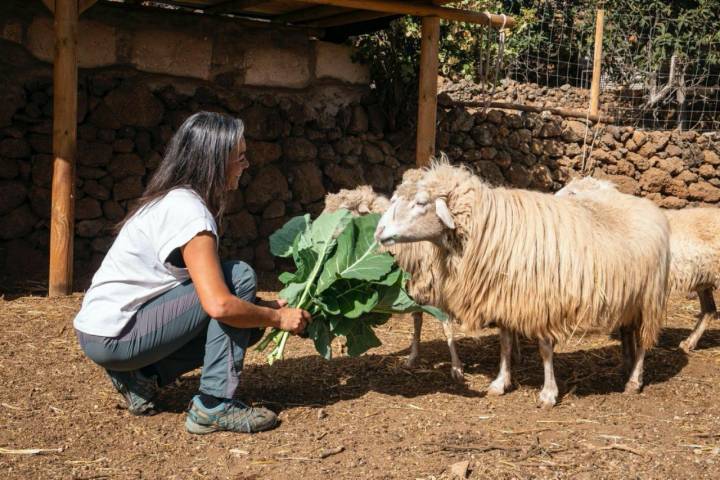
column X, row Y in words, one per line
column 587, row 187
column 418, row 211
column 360, row 201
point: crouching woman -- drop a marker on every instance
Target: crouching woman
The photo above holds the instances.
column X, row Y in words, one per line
column 162, row 303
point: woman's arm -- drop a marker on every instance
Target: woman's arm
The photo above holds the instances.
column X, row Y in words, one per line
column 203, row 264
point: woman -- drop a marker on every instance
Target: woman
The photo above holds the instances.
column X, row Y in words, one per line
column 163, row 304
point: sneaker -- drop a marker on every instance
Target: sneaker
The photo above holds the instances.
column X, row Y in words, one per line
column 231, row 416
column 138, row 390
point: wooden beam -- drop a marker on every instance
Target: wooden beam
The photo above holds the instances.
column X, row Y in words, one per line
column 597, row 63
column 84, row 5
column 64, row 147
column 229, row 6
column 307, row 14
column 354, row 16
column 562, row 112
column 422, row 10
column 427, row 95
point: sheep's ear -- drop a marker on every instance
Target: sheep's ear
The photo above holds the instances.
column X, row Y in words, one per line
column 362, row 208
column 443, row 213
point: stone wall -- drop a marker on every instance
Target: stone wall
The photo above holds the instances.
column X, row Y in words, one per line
column 304, row 140
column 674, row 169
column 300, row 146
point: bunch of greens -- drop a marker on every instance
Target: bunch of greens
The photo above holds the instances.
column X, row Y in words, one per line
column 347, row 285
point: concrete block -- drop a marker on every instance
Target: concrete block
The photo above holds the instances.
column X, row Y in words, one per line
column 41, row 39
column 334, row 61
column 173, row 53
column 272, row 66
column 96, row 44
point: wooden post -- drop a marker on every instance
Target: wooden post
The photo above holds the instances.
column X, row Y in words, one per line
column 597, row 63
column 427, row 96
column 64, row 148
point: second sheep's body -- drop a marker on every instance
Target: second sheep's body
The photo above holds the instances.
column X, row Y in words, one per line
column 694, row 249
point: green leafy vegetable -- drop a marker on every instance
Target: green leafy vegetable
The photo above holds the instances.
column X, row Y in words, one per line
column 342, row 279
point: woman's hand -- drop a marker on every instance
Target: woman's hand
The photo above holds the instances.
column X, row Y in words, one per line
column 293, row 320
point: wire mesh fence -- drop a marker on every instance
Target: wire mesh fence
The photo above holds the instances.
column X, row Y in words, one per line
column 657, row 72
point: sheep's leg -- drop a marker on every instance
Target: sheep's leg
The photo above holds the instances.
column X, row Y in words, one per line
column 708, row 310
column 627, row 336
column 411, row 361
column 503, row 382
column 457, row 366
column 635, row 383
column 516, row 353
column 549, row 393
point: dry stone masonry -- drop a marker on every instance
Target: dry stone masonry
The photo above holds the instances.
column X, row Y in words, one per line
column 301, row 144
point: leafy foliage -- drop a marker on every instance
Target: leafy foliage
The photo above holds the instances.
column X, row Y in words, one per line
column 342, row 279
column 640, row 37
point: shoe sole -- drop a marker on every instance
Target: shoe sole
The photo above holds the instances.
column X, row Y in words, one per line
column 198, row 429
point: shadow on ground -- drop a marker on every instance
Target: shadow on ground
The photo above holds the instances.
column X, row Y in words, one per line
column 313, row 381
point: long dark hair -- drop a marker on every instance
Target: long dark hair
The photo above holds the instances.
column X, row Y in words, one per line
column 197, row 158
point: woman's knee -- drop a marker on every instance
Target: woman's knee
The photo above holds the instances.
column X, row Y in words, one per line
column 241, row 279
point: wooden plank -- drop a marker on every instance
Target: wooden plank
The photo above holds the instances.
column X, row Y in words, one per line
column 84, row 5
column 328, row 16
column 307, row 14
column 421, row 10
column 562, row 112
column 427, row 95
column 229, row 6
column 64, row 147
column 597, row 63
column 353, row 16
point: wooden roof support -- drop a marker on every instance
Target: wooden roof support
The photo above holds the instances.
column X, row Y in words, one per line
column 422, row 10
column 230, row 6
column 308, row 14
column 64, row 147
column 353, row 16
column 427, row 95
column 82, row 5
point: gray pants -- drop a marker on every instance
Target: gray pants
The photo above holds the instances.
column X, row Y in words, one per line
column 173, row 334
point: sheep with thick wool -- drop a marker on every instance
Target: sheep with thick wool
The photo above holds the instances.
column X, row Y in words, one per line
column 418, row 259
column 694, row 249
column 541, row 266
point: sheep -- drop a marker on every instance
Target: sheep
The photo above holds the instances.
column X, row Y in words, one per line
column 417, row 259
column 538, row 265
column 694, row 250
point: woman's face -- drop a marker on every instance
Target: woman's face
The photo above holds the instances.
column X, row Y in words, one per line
column 236, row 167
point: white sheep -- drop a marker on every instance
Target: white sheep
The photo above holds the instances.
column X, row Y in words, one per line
column 416, row 259
column 538, row 265
column 694, row 249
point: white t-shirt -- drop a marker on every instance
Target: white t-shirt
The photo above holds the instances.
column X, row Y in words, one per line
column 135, row 269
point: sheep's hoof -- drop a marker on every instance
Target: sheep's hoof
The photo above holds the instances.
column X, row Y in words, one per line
column 686, row 346
column 497, row 388
column 410, row 362
column 457, row 374
column 633, row 387
column 547, row 399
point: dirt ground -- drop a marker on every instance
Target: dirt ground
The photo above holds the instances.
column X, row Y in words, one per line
column 389, row 422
